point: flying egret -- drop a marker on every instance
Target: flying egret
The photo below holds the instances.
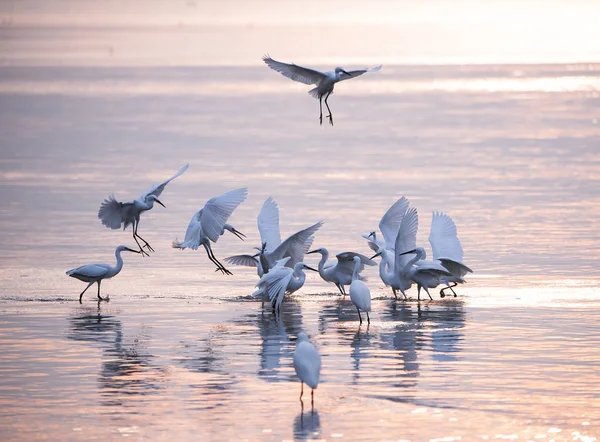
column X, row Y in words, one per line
column 446, row 249
column 307, row 363
column 281, row 280
column 273, row 250
column 325, row 81
column 340, row 273
column 389, row 225
column 114, row 213
column 97, row 272
column 210, row 222
column 359, row 292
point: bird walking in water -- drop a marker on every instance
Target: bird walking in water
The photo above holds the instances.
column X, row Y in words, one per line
column 210, row 222
column 360, row 295
column 340, row 273
column 92, row 273
column 324, row 81
column 115, row 214
column 307, row 364
column 281, row 280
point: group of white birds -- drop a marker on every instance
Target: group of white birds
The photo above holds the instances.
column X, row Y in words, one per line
column 279, row 263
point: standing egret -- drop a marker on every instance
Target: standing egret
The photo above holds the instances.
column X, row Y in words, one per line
column 114, row 213
column 359, row 292
column 273, row 250
column 209, row 223
column 325, row 81
column 97, row 272
column 340, row 273
column 446, row 249
column 307, row 363
column 281, row 280
column 426, row 274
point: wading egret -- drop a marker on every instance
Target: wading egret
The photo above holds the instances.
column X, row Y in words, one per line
column 273, row 250
column 340, row 273
column 281, row 280
column 359, row 292
column 210, row 222
column 325, row 81
column 97, row 272
column 307, row 363
column 446, row 248
column 115, row 214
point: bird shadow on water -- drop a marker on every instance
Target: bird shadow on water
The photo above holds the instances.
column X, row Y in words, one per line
column 126, row 369
column 307, row 424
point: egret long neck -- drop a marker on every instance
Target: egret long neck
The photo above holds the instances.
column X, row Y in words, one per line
column 356, row 270
column 412, row 262
column 324, row 256
column 119, row 266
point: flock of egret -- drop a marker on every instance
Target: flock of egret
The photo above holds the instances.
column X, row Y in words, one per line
column 280, row 265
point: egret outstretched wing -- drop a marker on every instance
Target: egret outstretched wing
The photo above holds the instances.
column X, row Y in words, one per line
column 406, row 239
column 268, row 224
column 217, row 210
column 444, row 238
column 295, row 72
column 390, row 222
column 297, row 245
column 113, row 213
column 158, row 188
column 358, row 72
column 242, row 260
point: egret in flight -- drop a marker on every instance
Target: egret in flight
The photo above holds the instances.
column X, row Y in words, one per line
column 324, row 81
column 389, row 225
column 340, row 273
column 115, row 214
column 447, row 250
column 92, row 273
column 360, row 295
column 273, row 250
column 307, row 364
column 281, row 280
column 210, row 222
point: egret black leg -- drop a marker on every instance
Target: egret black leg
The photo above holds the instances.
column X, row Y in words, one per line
column 428, row 294
column 135, row 237
column 395, row 294
column 84, row 290
column 418, row 293
column 330, row 116
column 312, row 399
column 359, row 317
column 368, row 319
column 143, row 240
column 215, row 261
column 321, row 110
column 100, row 298
column 301, row 390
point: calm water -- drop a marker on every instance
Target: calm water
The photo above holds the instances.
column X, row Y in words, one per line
column 510, row 152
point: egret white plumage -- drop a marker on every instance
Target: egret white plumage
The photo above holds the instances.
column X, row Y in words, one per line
column 95, row 273
column 281, row 280
column 273, row 250
column 360, row 295
column 447, row 249
column 426, row 274
column 115, row 214
column 210, row 222
column 389, row 225
column 340, row 273
column 324, row 81
column 307, row 364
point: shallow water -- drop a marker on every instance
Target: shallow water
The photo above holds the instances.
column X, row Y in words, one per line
column 510, row 152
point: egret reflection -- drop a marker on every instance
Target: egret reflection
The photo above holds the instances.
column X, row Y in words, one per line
column 307, row 425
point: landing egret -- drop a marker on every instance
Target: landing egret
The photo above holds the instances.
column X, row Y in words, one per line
column 115, row 214
column 389, row 225
column 446, row 248
column 325, row 81
column 281, row 280
column 209, row 223
column 360, row 294
column 340, row 273
column 97, row 272
column 273, row 250
column 307, row 363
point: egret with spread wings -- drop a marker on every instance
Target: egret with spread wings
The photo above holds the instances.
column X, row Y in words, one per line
column 210, row 222
column 324, row 81
column 115, row 214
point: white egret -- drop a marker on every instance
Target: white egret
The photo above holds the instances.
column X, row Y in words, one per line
column 115, row 214
column 360, row 294
column 92, row 273
column 281, row 280
column 307, row 363
column 389, row 225
column 447, row 249
column 273, row 250
column 426, row 274
column 210, row 222
column 325, row 81
column 340, row 273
